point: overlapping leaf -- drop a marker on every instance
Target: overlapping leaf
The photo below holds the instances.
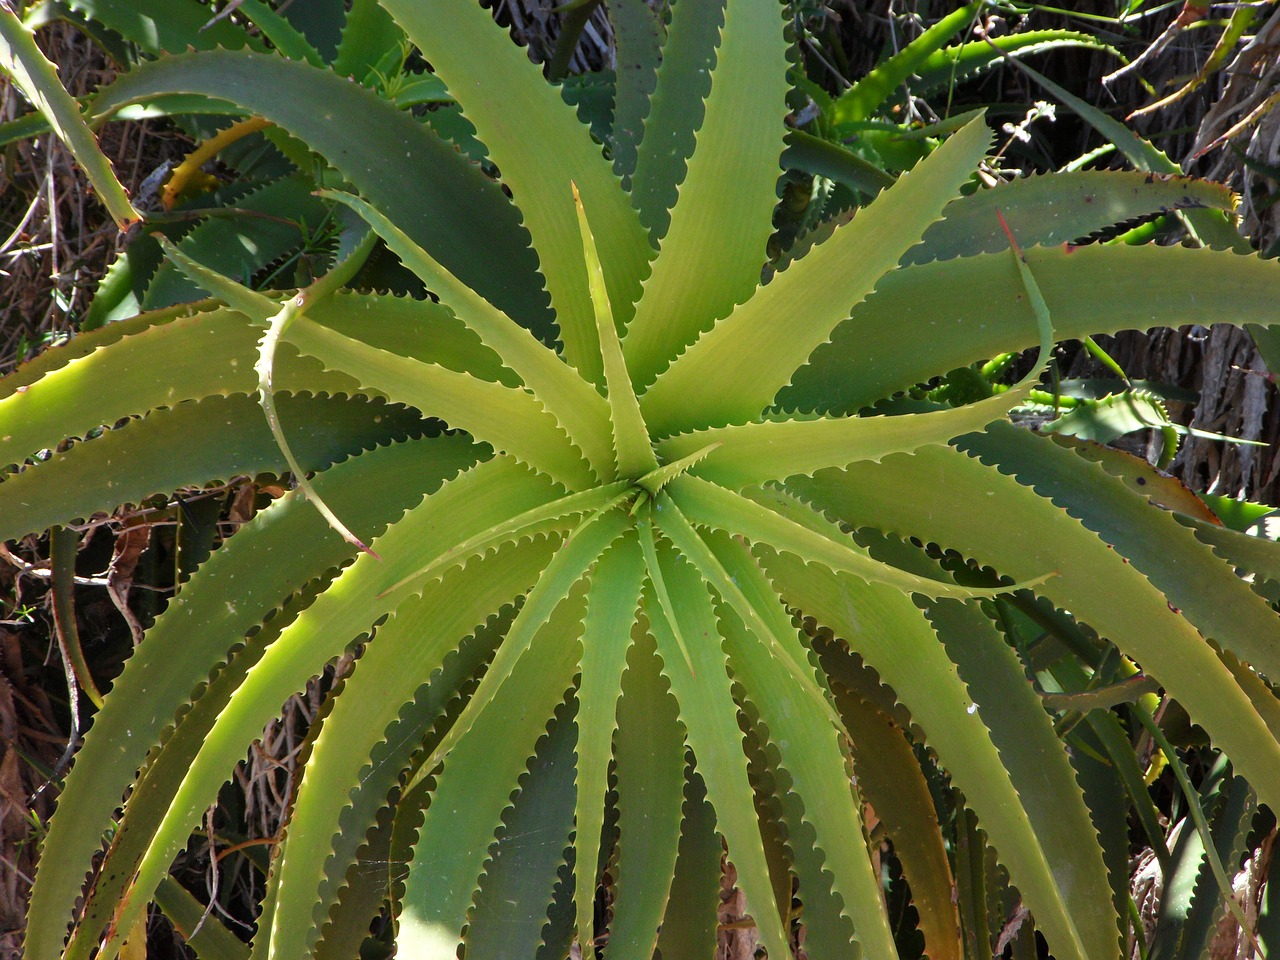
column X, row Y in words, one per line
column 574, row 666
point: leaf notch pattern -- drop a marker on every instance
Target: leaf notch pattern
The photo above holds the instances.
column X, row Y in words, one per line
column 592, row 659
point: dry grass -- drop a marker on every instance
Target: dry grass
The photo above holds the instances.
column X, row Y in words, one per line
column 56, row 239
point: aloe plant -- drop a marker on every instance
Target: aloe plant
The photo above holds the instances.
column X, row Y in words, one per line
column 645, row 607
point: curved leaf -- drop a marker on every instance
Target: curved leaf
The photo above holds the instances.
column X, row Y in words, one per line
column 194, row 635
column 480, row 773
column 550, row 151
column 736, row 369
column 203, row 355
column 1058, row 208
column 965, row 60
column 888, row 629
column 710, row 718
column 1011, row 528
column 1089, row 290
column 422, row 632
column 1195, row 581
column 606, row 640
column 650, row 769
column 861, row 100
column 463, row 218
column 343, row 613
column 204, row 441
column 702, row 270
column 160, row 777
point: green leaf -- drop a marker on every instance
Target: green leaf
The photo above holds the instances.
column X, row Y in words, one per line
column 758, row 610
column 1237, row 515
column 1011, row 528
column 515, row 893
column 822, row 158
column 342, row 614
column 606, row 639
column 320, row 21
column 821, row 809
column 890, row 632
column 754, row 453
column 1089, row 290
column 573, row 402
column 194, row 635
column 1037, row 765
column 480, row 774
column 689, row 927
column 465, row 220
column 512, row 420
column 702, row 270
column 159, row 780
column 1214, row 230
column 37, row 78
column 278, row 322
column 549, row 516
column 1230, row 832
column 242, row 245
column 637, row 32
column 954, row 64
column 675, row 112
column 194, row 443
column 107, row 385
column 1247, row 553
column 1111, row 417
column 710, row 718
column 420, row 329
column 82, row 345
column 736, row 369
column 282, row 35
column 633, row 453
column 1058, row 208
column 429, row 635
column 860, row 101
column 707, row 505
column 368, row 36
column 650, row 770
column 1108, row 802
column 166, row 26
column 549, row 151
column 588, row 540
column 369, row 883
column 1205, row 590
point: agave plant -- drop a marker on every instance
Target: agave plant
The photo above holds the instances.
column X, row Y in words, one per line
column 644, row 590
